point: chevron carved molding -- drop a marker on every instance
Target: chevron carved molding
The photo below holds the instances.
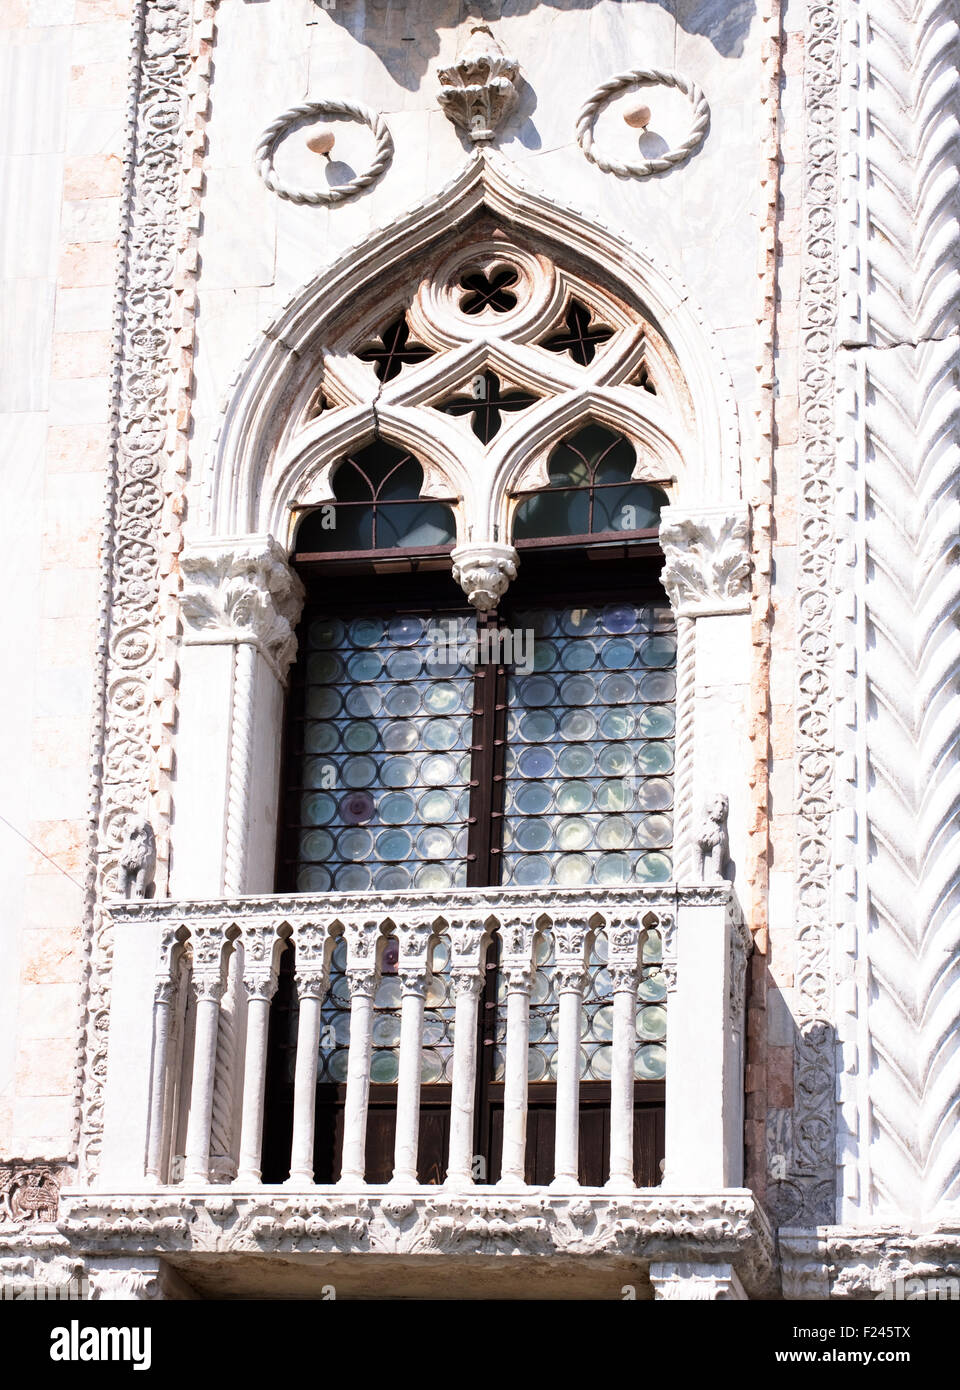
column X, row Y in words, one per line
column 903, row 280
column 900, row 1091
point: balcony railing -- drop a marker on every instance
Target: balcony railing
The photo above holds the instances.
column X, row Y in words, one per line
column 189, row 1112
column 190, row 992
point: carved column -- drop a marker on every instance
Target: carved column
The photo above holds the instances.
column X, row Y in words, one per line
column 363, row 976
column 624, row 955
column 572, row 941
column 468, row 947
column 413, row 969
column 707, row 578
column 163, row 1000
column 240, row 605
column 314, row 946
column 261, row 951
column 516, row 970
column 210, row 954
column 165, row 997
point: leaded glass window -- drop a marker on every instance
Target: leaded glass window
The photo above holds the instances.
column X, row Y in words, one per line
column 380, row 756
column 377, row 506
column 544, row 761
column 589, row 797
column 591, row 491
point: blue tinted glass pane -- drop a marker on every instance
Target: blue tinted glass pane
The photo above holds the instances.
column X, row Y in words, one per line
column 632, row 507
column 588, row 786
column 335, row 528
column 552, row 514
column 414, row 525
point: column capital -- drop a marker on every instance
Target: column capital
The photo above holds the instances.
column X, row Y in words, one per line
column 240, row 589
column 707, row 553
column 466, row 980
column 517, row 965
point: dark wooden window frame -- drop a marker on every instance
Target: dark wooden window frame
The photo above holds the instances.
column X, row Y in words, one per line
column 549, row 577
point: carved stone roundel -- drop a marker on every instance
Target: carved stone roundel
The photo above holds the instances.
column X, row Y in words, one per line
column 643, row 77
column 323, row 197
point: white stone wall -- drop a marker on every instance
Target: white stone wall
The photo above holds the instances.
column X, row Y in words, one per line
column 62, row 129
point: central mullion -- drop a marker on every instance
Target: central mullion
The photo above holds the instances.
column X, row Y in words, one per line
column 487, row 758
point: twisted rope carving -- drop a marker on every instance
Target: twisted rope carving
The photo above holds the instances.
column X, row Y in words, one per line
column 643, row 77
column 241, row 750
column 221, row 1124
column 683, row 750
column 318, row 197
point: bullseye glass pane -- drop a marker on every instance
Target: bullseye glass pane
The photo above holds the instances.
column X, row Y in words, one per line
column 382, row 765
column 590, row 748
column 596, row 1024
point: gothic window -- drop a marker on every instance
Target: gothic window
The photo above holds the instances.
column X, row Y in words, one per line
column 430, row 746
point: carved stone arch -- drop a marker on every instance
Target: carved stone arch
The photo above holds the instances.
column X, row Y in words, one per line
column 487, row 187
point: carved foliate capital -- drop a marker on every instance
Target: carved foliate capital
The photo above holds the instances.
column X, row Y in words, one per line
column 363, row 983
column 484, row 572
column 260, row 988
column 570, row 979
column 707, row 553
column 624, row 979
column 479, row 90
column 312, row 984
column 209, row 987
column 466, row 982
column 242, row 591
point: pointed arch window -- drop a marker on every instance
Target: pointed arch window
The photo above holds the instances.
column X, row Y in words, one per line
column 591, row 492
column 377, row 507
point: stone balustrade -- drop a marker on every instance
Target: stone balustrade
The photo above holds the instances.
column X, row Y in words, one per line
column 187, row 1087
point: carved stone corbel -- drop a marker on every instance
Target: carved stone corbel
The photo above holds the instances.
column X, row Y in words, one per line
column 484, row 572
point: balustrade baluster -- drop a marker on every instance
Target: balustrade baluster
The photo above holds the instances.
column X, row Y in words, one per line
column 625, row 942
column 208, row 983
column 517, row 971
column 314, row 947
column 414, row 972
column 572, row 942
column 363, row 976
column 260, row 984
column 468, row 947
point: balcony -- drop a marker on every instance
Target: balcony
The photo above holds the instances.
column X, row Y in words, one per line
column 188, row 1084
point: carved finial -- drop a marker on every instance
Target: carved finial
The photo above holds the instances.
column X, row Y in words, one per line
column 712, row 843
column 480, row 89
column 138, row 858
